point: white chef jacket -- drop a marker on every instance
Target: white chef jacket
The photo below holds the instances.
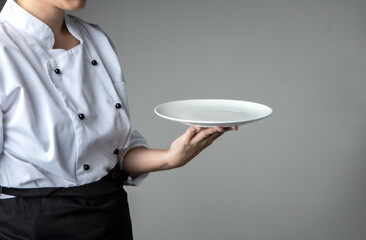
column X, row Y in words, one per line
column 64, row 117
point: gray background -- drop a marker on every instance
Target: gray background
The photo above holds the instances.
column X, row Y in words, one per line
column 299, row 174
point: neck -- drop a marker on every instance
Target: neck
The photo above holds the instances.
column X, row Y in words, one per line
column 50, row 15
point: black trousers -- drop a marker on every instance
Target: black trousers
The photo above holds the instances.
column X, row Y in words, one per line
column 95, row 211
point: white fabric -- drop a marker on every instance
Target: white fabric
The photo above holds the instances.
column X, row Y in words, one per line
column 43, row 142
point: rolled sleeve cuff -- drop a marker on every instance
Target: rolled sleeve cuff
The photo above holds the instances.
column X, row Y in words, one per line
column 137, row 140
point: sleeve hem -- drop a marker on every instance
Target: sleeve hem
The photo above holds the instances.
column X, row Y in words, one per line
column 136, row 141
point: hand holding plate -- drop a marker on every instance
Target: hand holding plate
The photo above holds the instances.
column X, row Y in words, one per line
column 192, row 142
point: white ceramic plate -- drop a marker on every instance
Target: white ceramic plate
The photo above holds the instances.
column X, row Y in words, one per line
column 213, row 112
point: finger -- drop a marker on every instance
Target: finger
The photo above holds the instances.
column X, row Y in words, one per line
column 235, row 128
column 212, row 140
column 204, row 144
column 209, row 140
column 191, row 132
column 213, row 135
column 205, row 133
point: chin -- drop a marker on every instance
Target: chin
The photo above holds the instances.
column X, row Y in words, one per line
column 74, row 5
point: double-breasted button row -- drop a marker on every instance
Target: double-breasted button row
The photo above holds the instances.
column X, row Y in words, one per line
column 93, row 62
column 82, row 115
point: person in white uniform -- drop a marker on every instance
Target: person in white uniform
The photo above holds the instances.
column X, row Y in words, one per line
column 66, row 144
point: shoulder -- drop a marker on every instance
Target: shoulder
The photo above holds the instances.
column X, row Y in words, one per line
column 9, row 47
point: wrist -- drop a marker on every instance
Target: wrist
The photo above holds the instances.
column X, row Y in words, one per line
column 168, row 160
column 174, row 159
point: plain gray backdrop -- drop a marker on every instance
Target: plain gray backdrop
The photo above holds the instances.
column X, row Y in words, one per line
column 297, row 175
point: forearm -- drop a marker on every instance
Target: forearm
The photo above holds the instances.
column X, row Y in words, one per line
column 143, row 160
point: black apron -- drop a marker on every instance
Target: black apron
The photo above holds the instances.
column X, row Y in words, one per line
column 95, row 211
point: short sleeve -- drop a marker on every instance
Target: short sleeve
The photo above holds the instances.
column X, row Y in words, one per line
column 136, row 140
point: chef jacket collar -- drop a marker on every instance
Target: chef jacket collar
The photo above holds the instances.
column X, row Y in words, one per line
column 23, row 20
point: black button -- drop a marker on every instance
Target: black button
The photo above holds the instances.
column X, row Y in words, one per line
column 94, row 62
column 57, row 71
column 81, row 116
column 116, row 151
column 86, row 167
column 118, row 105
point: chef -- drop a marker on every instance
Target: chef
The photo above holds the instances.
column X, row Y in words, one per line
column 66, row 143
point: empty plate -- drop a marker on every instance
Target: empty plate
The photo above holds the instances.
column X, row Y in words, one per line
column 213, row 112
